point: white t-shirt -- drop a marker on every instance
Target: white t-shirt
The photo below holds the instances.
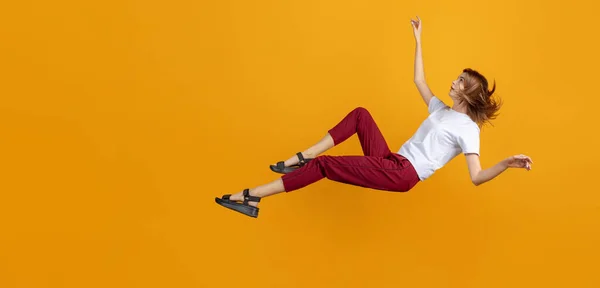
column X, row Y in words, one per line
column 441, row 137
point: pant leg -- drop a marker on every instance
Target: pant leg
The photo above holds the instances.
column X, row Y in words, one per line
column 391, row 174
column 361, row 122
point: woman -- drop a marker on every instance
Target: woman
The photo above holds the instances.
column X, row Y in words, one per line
column 447, row 132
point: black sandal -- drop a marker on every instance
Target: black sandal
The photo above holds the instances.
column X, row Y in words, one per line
column 243, row 207
column 280, row 166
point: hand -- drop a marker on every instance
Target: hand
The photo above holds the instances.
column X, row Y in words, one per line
column 519, row 161
column 417, row 24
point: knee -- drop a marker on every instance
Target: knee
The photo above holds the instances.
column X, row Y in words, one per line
column 322, row 160
column 361, row 110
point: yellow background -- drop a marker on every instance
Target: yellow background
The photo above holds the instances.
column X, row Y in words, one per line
column 120, row 121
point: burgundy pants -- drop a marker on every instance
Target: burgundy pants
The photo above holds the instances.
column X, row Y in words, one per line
column 379, row 168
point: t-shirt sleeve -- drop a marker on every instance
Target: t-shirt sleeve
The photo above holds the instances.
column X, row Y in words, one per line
column 435, row 104
column 468, row 140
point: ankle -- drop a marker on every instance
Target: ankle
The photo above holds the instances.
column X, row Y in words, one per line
column 255, row 193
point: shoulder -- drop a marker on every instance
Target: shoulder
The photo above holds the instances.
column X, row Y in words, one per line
column 436, row 101
column 473, row 127
column 436, row 104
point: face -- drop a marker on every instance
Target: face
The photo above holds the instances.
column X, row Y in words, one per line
column 457, row 85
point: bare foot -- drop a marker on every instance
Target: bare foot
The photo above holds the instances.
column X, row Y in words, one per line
column 240, row 197
column 294, row 160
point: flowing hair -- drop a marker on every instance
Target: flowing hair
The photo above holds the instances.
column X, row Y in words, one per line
column 481, row 106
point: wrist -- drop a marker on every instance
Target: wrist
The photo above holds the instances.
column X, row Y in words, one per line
column 504, row 163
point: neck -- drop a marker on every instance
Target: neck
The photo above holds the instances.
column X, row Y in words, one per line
column 462, row 108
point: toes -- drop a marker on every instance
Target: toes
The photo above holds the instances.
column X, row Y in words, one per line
column 236, row 197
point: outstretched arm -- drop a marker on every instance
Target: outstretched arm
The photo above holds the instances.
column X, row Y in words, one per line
column 419, row 73
column 479, row 176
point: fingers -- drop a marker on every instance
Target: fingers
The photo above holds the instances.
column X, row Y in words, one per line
column 522, row 161
column 416, row 23
column 524, row 157
column 525, row 162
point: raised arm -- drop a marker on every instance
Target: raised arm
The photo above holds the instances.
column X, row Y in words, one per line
column 479, row 176
column 419, row 73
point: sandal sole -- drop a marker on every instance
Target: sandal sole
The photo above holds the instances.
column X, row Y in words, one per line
column 240, row 208
column 288, row 169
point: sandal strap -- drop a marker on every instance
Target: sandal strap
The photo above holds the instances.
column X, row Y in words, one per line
column 226, row 196
column 300, row 157
column 248, row 197
column 280, row 165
